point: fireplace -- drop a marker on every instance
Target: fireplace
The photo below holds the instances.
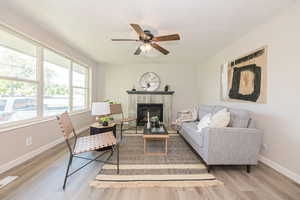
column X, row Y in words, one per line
column 154, row 109
column 151, row 97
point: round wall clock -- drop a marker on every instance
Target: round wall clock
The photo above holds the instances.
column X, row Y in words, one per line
column 150, row 81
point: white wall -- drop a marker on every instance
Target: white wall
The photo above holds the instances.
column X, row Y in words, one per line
column 181, row 78
column 12, row 144
column 279, row 118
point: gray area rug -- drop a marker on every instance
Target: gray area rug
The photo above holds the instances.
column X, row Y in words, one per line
column 180, row 168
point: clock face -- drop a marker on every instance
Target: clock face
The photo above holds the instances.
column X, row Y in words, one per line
column 150, row 81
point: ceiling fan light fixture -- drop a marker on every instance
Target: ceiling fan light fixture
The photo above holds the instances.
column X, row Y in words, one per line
column 146, row 48
column 149, row 41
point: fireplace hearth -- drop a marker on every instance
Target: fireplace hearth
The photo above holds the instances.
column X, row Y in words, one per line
column 154, row 109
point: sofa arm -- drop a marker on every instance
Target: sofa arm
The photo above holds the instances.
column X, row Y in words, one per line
column 231, row 145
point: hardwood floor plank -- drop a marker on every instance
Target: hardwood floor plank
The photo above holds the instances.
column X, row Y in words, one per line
column 42, row 178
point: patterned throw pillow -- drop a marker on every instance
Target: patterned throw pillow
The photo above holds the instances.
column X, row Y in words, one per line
column 220, row 119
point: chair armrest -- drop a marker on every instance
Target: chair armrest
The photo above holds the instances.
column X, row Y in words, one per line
column 232, row 145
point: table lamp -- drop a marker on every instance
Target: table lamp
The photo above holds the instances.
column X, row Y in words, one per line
column 101, row 109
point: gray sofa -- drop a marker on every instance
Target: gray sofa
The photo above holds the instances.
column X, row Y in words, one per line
column 237, row 144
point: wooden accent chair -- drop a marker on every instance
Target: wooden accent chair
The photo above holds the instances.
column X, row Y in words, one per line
column 86, row 144
column 116, row 109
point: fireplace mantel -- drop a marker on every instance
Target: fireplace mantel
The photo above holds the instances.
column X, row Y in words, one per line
column 151, row 92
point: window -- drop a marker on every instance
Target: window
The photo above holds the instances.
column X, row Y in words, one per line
column 80, row 87
column 56, row 83
column 18, row 82
column 36, row 82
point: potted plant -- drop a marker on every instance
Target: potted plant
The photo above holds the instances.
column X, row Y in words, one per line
column 155, row 121
column 110, row 101
column 104, row 120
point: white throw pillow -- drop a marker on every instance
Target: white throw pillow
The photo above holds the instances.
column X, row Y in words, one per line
column 194, row 114
column 220, row 119
column 204, row 122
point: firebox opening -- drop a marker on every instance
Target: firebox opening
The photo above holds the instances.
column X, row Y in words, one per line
column 153, row 109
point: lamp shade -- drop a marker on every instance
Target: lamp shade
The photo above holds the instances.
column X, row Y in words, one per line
column 100, row 108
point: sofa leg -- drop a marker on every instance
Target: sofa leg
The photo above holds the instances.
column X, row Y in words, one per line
column 208, row 168
column 248, row 168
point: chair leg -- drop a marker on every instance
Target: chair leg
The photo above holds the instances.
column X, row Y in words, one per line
column 118, row 160
column 67, row 172
column 208, row 168
column 121, row 131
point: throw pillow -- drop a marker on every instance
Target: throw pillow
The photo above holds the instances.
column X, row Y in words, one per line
column 204, row 122
column 194, row 114
column 220, row 119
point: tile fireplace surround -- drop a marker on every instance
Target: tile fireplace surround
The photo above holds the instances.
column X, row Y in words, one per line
column 156, row 97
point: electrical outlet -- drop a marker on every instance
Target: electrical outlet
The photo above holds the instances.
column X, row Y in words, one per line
column 29, row 141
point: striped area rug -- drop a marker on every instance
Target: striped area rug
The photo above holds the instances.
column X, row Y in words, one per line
column 180, row 168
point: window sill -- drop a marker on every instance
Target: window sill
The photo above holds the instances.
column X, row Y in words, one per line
column 26, row 123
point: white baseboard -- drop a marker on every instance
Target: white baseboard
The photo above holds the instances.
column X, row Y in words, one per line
column 7, row 166
column 282, row 170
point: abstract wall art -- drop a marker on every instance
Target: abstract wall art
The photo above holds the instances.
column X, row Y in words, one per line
column 245, row 78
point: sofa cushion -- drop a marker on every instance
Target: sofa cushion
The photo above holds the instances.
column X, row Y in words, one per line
column 203, row 110
column 239, row 118
column 191, row 135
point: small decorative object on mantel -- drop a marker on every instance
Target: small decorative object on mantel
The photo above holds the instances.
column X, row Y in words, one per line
column 149, row 81
column 167, row 87
column 133, row 88
column 245, row 78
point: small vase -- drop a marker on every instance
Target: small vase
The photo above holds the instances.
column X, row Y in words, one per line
column 166, row 88
column 104, row 123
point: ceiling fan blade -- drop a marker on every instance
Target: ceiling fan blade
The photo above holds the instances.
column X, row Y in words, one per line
column 138, row 30
column 138, row 51
column 159, row 48
column 166, row 38
column 124, row 40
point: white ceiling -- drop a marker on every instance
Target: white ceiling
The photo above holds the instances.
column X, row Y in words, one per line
column 205, row 26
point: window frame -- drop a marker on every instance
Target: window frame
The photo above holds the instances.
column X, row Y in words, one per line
column 39, row 81
column 87, row 88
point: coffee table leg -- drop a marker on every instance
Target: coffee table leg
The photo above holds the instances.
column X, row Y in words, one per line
column 166, row 146
column 144, row 145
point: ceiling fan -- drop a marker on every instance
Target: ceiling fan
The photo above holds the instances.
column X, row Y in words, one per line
column 149, row 40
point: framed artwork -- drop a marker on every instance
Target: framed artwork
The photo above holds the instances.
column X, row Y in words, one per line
column 245, row 78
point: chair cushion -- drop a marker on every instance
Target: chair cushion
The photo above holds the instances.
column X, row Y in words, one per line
column 203, row 110
column 94, row 142
column 239, row 118
column 192, row 135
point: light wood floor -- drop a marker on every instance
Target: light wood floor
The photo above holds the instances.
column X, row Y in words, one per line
column 42, row 178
